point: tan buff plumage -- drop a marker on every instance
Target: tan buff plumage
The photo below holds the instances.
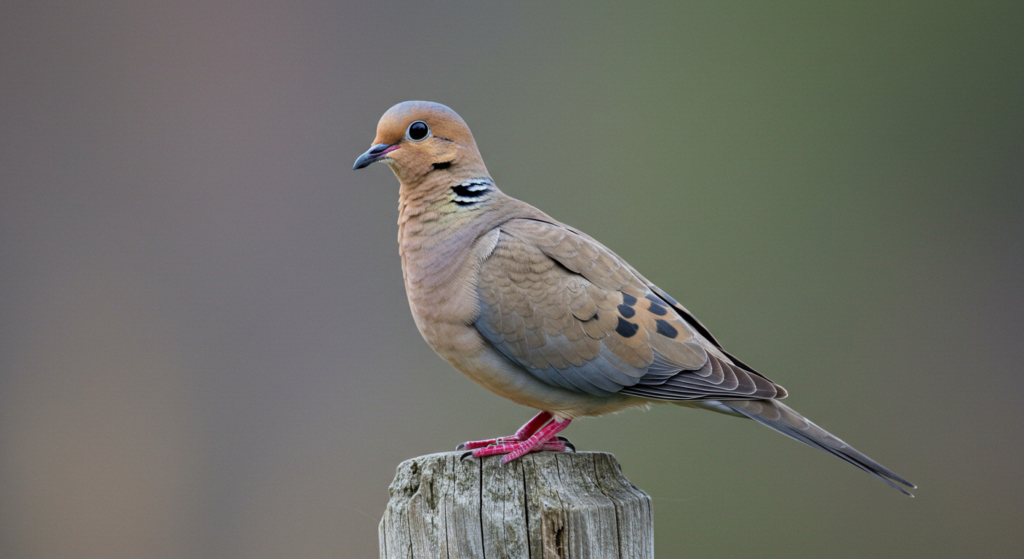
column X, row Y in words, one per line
column 540, row 313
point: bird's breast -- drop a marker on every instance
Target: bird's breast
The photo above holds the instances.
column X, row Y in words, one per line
column 441, row 274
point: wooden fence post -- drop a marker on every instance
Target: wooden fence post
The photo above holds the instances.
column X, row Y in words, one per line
column 543, row 505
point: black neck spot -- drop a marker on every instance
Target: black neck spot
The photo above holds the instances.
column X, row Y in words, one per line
column 470, row 192
column 443, row 165
column 463, row 191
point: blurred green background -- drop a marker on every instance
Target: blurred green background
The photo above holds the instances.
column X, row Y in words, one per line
column 205, row 347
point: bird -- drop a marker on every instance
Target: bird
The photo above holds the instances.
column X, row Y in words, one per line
column 540, row 313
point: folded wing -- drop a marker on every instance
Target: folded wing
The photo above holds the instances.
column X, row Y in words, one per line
column 573, row 314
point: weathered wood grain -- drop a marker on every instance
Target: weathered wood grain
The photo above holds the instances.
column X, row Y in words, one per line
column 544, row 505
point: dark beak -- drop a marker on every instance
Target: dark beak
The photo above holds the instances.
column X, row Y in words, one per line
column 374, row 154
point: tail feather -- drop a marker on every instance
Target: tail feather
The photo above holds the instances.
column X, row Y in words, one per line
column 780, row 417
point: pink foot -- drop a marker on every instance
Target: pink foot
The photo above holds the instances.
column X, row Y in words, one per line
column 541, row 440
column 522, row 434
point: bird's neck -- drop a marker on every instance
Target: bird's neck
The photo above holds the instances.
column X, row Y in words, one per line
column 432, row 212
column 438, row 223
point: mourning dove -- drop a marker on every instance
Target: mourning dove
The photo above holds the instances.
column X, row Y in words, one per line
column 540, row 313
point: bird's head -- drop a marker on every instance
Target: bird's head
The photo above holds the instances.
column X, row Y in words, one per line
column 420, row 139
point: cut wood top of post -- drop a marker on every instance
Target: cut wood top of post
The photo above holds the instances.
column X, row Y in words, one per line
column 543, row 505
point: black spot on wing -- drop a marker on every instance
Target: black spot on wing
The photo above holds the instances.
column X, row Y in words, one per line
column 628, row 299
column 691, row 320
column 627, row 312
column 666, row 329
column 626, row 329
column 657, row 305
column 442, row 165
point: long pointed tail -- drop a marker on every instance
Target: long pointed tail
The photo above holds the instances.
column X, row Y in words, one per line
column 780, row 417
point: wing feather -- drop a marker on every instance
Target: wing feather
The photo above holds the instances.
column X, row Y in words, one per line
column 576, row 316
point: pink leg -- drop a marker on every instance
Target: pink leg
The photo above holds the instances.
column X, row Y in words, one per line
column 532, row 425
column 521, row 435
column 536, row 442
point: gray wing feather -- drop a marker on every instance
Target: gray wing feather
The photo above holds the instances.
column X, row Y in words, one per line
column 568, row 310
column 783, row 419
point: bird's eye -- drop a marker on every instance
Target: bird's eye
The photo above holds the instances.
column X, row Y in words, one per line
column 418, row 131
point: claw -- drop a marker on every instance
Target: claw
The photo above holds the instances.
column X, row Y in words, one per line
column 465, row 454
column 566, row 442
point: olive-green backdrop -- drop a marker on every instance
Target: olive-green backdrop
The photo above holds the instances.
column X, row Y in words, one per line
column 205, row 348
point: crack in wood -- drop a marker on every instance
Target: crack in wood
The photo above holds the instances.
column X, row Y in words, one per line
column 483, row 539
column 526, row 515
